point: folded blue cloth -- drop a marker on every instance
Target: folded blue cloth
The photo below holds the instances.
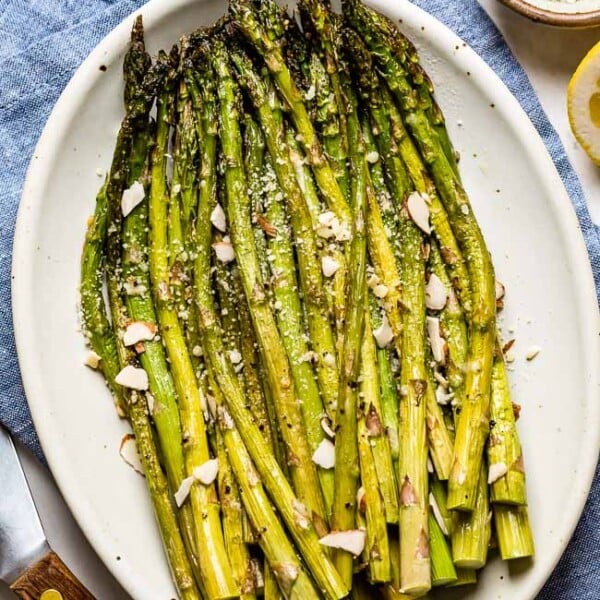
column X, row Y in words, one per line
column 42, row 43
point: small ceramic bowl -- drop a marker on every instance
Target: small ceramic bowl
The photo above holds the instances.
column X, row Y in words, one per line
column 588, row 16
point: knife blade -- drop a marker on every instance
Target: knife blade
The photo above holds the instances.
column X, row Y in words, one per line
column 27, row 563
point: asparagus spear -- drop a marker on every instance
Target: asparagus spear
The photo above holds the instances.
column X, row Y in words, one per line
column 371, row 406
column 254, row 142
column 271, row 348
column 443, row 571
column 381, row 249
column 272, row 591
column 259, row 35
column 382, row 255
column 414, row 545
column 392, row 590
column 513, row 531
column 504, row 449
column 139, row 307
column 310, row 271
column 471, row 531
column 346, row 447
column 388, row 389
column 96, row 326
column 271, row 474
column 132, row 141
column 406, row 54
column 472, row 429
column 233, row 528
column 291, row 323
column 291, row 576
column 373, row 482
column 216, row 576
column 103, row 342
column 317, row 18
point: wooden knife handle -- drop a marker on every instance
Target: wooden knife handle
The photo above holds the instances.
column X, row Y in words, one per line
column 50, row 579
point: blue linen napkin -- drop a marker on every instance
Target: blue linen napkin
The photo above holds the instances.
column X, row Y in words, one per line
column 42, row 44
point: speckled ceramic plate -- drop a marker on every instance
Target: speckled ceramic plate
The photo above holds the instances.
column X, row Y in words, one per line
column 526, row 216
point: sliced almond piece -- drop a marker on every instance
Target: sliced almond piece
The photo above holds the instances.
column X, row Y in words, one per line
column 380, row 291
column 207, row 472
column 92, row 360
column 129, row 453
column 218, row 219
column 324, row 455
column 133, row 378
column 383, row 334
column 443, row 398
column 139, row 331
column 235, row 357
column 330, row 266
column 132, row 197
column 437, row 342
column 437, row 513
column 352, row 541
column 224, row 251
column 496, row 471
column 361, row 499
column 532, row 352
column 184, row 490
column 500, row 290
column 419, row 211
column 372, row 157
column 436, row 294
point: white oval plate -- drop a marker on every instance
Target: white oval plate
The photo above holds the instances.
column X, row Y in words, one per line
column 529, row 224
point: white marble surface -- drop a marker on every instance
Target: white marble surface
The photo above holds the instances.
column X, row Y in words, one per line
column 549, row 56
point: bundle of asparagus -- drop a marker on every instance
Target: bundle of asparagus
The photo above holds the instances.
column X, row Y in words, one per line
column 301, row 316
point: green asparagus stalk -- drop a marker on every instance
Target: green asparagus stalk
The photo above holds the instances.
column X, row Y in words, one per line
column 377, row 548
column 370, row 401
column 471, row 531
column 388, row 390
column 271, row 474
column 464, row 577
column 454, row 326
column 291, row 323
column 438, row 496
column 442, row 567
column 317, row 18
column 310, row 271
column 382, row 256
column 250, row 360
column 254, row 142
column 272, row 591
column 472, row 430
column 414, row 542
column 259, row 36
column 104, row 343
column 96, row 326
column 217, row 576
column 513, row 532
column 346, row 446
column 271, row 348
column 405, row 52
column 392, row 590
column 139, row 307
column 292, row 578
column 504, row 449
column 233, row 528
column 188, row 152
column 129, row 163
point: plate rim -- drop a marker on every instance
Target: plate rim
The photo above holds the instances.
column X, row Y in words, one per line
column 73, row 96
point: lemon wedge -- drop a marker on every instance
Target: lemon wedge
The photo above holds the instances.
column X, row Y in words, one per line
column 583, row 102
